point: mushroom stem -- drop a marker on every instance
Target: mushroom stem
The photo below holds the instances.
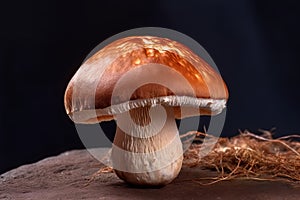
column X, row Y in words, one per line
column 147, row 149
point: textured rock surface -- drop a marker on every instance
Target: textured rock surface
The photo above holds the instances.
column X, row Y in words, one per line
column 65, row 176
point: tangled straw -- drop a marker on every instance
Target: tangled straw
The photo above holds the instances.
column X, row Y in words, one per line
column 246, row 156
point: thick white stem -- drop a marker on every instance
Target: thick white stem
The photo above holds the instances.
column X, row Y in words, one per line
column 145, row 153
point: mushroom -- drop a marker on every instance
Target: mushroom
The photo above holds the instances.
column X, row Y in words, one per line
column 113, row 84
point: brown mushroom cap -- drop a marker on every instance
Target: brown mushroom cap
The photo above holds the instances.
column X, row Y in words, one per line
column 89, row 93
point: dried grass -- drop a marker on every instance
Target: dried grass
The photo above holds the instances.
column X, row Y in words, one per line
column 246, row 156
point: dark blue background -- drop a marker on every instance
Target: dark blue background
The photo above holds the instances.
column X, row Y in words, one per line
column 254, row 43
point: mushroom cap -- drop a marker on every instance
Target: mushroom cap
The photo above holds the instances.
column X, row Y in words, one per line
column 90, row 97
